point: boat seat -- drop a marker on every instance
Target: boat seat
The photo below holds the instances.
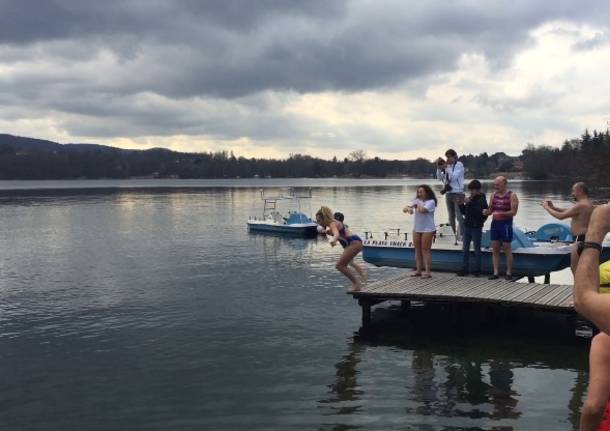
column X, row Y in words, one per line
column 277, row 217
column 554, row 231
column 299, row 218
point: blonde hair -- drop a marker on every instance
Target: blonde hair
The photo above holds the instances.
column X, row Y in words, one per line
column 324, row 216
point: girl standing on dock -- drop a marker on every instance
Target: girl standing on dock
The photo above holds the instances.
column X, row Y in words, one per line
column 424, row 229
column 352, row 245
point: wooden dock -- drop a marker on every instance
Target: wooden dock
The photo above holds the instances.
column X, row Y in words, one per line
column 449, row 288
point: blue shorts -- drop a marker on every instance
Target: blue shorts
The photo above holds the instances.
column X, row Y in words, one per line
column 501, row 230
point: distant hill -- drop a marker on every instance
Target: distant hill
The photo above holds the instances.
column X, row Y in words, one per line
column 29, row 158
column 21, row 144
column 32, row 145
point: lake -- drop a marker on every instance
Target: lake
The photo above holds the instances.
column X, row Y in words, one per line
column 146, row 305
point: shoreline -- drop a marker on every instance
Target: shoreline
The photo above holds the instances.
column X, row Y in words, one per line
column 512, row 175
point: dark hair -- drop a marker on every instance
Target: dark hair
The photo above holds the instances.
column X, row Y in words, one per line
column 429, row 192
column 339, row 216
column 451, row 153
column 474, row 185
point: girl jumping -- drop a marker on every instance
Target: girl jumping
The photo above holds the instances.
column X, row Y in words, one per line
column 352, row 245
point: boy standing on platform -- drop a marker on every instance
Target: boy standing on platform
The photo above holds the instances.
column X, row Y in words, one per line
column 474, row 219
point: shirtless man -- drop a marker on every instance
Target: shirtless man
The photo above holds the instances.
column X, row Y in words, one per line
column 595, row 306
column 580, row 213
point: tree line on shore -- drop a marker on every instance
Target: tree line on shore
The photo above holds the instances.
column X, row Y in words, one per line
column 27, row 158
column 585, row 158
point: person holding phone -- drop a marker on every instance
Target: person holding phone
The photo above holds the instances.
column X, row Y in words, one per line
column 474, row 219
column 424, row 229
column 579, row 213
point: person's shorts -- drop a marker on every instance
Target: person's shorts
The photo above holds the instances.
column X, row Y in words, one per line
column 501, row 230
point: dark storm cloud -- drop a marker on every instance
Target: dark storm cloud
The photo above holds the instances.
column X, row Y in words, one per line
column 94, row 66
column 27, row 21
column 233, row 48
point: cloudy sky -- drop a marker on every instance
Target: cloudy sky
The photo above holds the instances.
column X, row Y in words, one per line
column 323, row 77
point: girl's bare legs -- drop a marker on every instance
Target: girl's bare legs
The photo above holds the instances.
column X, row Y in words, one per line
column 360, row 270
column 426, row 247
column 417, row 238
column 349, row 253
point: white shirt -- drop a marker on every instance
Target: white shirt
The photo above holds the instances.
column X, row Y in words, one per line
column 424, row 222
column 454, row 174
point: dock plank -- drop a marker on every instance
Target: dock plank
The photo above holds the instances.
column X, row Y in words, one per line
column 561, row 293
column 451, row 288
column 527, row 291
column 536, row 297
column 566, row 301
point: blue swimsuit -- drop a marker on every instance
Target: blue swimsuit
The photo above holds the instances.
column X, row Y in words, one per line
column 346, row 240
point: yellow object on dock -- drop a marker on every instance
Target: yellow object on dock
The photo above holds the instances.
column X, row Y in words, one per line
column 604, row 277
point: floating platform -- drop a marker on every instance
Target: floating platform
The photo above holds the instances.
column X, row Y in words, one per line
column 449, row 288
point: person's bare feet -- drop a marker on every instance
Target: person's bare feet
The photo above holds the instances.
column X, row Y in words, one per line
column 356, row 287
column 426, row 275
column 415, row 274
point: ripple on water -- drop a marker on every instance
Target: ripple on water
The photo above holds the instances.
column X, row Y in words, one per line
column 155, row 309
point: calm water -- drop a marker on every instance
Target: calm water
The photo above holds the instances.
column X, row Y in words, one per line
column 147, row 305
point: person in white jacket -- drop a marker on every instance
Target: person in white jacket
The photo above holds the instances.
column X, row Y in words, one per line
column 451, row 174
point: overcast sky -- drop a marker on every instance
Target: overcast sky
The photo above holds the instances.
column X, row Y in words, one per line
column 269, row 77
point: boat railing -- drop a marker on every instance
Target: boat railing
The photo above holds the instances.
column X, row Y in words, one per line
column 443, row 230
column 392, row 231
column 286, row 193
column 300, row 192
column 272, row 197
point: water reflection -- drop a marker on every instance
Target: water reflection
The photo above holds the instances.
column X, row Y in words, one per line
column 440, row 382
column 581, row 381
column 345, row 392
column 102, row 282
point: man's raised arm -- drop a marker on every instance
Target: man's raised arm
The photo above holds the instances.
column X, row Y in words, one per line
column 563, row 213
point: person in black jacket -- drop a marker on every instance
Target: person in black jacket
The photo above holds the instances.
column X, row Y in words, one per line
column 472, row 209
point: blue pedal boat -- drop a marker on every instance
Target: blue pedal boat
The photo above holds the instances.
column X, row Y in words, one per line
column 530, row 258
column 295, row 223
column 559, row 232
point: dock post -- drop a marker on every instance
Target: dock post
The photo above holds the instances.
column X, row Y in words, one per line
column 547, row 278
column 531, row 279
column 366, row 312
